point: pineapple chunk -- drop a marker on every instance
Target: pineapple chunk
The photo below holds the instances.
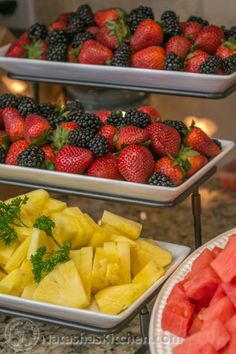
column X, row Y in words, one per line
column 38, row 239
column 53, row 206
column 23, row 232
column 99, row 280
column 99, row 237
column 115, row 299
column 87, row 228
column 149, row 275
column 29, row 290
column 83, row 260
column 63, row 286
column 129, row 227
column 93, row 306
column 7, row 251
column 123, row 249
column 66, row 227
column 2, row 274
column 146, row 252
column 13, row 283
column 26, row 268
column 113, row 266
column 120, row 238
column 110, row 229
column 18, row 256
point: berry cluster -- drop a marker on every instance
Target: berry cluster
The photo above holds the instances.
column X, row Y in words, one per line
column 114, row 37
column 135, row 145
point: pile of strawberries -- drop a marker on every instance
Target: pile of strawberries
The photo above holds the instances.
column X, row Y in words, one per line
column 135, row 145
column 113, row 37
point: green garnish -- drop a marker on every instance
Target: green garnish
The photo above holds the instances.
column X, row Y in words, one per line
column 10, row 216
column 46, row 224
column 44, row 262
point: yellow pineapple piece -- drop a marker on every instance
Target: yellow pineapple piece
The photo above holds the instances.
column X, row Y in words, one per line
column 38, row 239
column 150, row 273
column 87, row 228
column 113, row 266
column 62, row 286
column 65, row 227
column 123, row 249
column 115, row 299
column 13, row 283
column 98, row 238
column 18, row 256
column 93, row 306
column 7, row 251
column 22, row 232
column 53, row 206
column 83, row 260
column 99, row 280
column 111, row 230
column 29, row 290
column 130, row 228
column 120, row 238
column 2, row 274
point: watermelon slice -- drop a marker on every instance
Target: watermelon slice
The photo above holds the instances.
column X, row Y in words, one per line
column 215, row 334
column 231, row 325
column 207, row 349
column 196, row 326
column 216, row 250
column 231, row 347
column 225, row 263
column 177, row 292
column 230, row 290
column 202, row 261
column 219, row 294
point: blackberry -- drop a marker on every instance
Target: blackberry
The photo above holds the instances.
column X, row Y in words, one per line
column 47, row 110
column 199, row 20
column 33, row 156
column 57, row 52
column 74, row 105
column 9, row 100
column 210, row 65
column 81, row 137
column 173, row 62
column 116, row 119
column 230, row 34
column 85, row 13
column 90, row 121
column 159, row 179
column 229, row 64
column 75, row 24
column 54, row 120
column 99, row 146
column 170, row 23
column 178, row 125
column 137, row 15
column 136, row 118
column 218, row 143
column 122, row 56
column 37, row 31
column 27, row 105
column 57, row 36
column 2, row 154
column 80, row 38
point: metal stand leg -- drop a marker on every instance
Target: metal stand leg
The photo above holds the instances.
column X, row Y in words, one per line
column 196, row 209
column 36, row 89
column 144, row 319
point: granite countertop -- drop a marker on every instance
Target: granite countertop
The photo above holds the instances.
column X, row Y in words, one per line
column 173, row 225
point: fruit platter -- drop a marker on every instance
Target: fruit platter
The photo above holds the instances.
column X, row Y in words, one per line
column 132, row 153
column 56, row 261
column 195, row 312
column 133, row 50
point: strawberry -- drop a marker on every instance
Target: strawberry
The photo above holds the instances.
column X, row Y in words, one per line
column 73, row 159
column 14, row 123
column 201, row 142
column 165, row 140
column 15, row 150
column 194, row 60
column 131, row 135
column 149, row 58
column 57, row 25
column 50, row 155
column 37, row 50
column 209, row 38
column 37, row 129
column 113, row 34
column 1, row 119
column 60, row 135
column 102, row 115
column 69, row 126
column 148, row 33
column 153, row 113
column 113, row 14
column 167, row 166
column 16, row 51
column 190, row 30
column 93, row 52
column 226, row 49
column 136, row 163
column 24, row 39
column 109, row 132
column 196, row 162
column 179, row 45
column 64, row 17
column 72, row 54
column 105, row 167
column 4, row 142
column 93, row 30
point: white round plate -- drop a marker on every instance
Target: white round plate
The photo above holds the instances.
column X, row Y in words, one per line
column 162, row 342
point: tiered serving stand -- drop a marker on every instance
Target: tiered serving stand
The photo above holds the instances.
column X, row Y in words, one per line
column 180, row 84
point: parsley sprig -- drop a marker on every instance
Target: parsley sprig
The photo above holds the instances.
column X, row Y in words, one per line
column 46, row 224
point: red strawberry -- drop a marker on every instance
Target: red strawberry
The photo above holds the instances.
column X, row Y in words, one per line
column 93, row 30
column 69, row 126
column 73, row 159
column 190, row 30
column 105, row 167
column 148, row 33
column 57, row 25
column 194, row 60
column 37, row 50
column 113, row 34
column 153, row 113
column 93, row 52
column 201, row 142
column 24, row 39
column 50, row 155
column 1, row 119
column 14, row 124
column 149, row 58
column 209, row 38
column 167, row 166
column 225, row 50
column 136, row 163
column 109, row 132
column 103, row 16
column 4, row 142
column 131, row 135
column 179, row 45
column 16, row 51
column 64, row 17
column 165, row 140
column 60, row 136
column 15, row 150
column 196, row 163
column 102, row 115
column 37, row 129
column 72, row 54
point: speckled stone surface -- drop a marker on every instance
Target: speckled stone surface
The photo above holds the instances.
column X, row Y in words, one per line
column 173, row 225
